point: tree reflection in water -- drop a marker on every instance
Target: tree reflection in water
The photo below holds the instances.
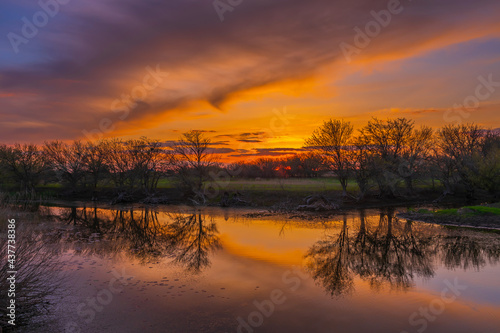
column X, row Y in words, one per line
column 192, row 239
column 330, row 262
column 188, row 238
column 381, row 250
column 393, row 252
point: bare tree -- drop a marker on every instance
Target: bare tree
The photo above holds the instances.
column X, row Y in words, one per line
column 39, row 279
column 267, row 167
column 332, row 141
column 118, row 163
column 414, row 155
column 148, row 162
column 459, row 144
column 387, row 141
column 25, row 162
column 67, row 160
column 443, row 167
column 488, row 163
column 195, row 158
column 311, row 165
column 94, row 160
column 362, row 165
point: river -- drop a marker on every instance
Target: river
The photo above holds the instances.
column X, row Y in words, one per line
column 186, row 269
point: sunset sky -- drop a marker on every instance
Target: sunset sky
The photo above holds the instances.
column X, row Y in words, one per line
column 259, row 81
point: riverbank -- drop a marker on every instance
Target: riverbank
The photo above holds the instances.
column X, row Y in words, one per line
column 275, row 194
column 482, row 216
column 308, row 199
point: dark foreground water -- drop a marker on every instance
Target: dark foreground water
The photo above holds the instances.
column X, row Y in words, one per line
column 180, row 269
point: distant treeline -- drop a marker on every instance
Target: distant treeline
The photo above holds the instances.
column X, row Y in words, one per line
column 388, row 157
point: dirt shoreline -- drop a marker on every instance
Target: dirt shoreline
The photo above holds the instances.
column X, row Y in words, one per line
column 286, row 204
column 476, row 222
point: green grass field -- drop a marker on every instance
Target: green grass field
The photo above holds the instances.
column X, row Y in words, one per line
column 290, row 184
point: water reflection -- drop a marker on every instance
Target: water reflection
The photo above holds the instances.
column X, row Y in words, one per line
column 466, row 252
column 380, row 249
column 393, row 253
column 364, row 248
column 145, row 234
column 191, row 239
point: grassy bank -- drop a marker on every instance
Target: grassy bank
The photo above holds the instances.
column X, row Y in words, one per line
column 481, row 216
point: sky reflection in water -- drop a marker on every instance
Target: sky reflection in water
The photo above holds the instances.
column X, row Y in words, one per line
column 201, row 270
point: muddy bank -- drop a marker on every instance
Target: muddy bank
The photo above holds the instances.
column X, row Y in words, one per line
column 478, row 221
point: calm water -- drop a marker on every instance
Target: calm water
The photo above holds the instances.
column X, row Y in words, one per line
column 179, row 269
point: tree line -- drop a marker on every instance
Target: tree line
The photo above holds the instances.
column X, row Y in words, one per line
column 125, row 165
column 392, row 157
column 387, row 153
column 388, row 156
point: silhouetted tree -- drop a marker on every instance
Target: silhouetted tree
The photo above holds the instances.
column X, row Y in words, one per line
column 362, row 165
column 26, row 163
column 415, row 154
column 148, row 162
column 458, row 144
column 195, row 158
column 68, row 160
column 332, row 142
column 94, row 160
column 119, row 163
column 387, row 141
